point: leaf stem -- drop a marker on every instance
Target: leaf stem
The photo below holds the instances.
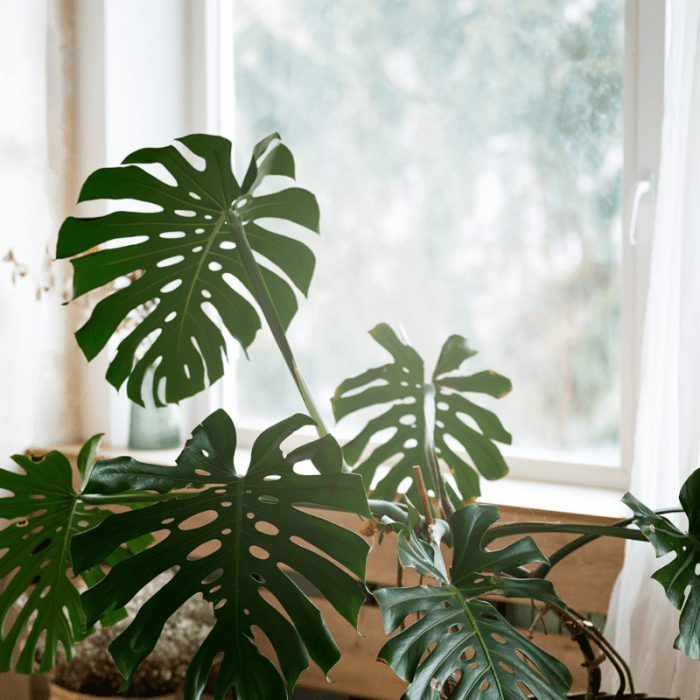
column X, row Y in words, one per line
column 104, row 499
column 543, row 569
column 429, row 444
column 262, row 296
column 596, row 530
column 396, row 511
column 399, row 513
column 424, row 500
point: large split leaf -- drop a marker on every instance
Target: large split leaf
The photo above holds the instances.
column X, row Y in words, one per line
column 466, row 638
column 35, row 556
column 249, row 527
column 411, row 404
column 679, row 577
column 187, row 260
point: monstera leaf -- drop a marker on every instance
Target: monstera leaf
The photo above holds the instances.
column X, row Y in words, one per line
column 472, row 642
column 250, row 525
column 186, row 259
column 35, row 556
column 412, row 403
column 680, row 574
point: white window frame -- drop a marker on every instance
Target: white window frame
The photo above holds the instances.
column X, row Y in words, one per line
column 205, row 101
column 131, row 96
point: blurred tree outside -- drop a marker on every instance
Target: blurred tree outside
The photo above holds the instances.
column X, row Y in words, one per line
column 467, row 158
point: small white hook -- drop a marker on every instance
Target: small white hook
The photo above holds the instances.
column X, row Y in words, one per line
column 643, row 187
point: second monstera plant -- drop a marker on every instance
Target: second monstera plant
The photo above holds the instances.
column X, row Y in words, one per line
column 199, row 265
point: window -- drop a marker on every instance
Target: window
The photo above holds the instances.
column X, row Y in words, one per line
column 443, row 187
column 469, row 167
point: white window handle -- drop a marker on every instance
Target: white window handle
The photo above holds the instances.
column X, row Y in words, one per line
column 643, row 187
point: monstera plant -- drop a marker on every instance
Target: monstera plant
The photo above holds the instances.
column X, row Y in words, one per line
column 197, row 266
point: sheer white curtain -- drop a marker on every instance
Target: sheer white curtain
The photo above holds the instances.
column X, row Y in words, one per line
column 642, row 624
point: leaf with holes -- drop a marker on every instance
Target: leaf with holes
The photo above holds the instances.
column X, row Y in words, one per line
column 234, row 542
column 679, row 577
column 184, row 260
column 466, row 638
column 418, row 410
column 35, row 558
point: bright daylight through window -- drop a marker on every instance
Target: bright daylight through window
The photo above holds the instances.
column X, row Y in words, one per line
column 468, row 165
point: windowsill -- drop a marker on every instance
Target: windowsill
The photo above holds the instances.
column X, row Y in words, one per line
column 520, row 493
column 562, row 498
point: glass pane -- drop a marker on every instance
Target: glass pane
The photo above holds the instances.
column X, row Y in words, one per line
column 467, row 161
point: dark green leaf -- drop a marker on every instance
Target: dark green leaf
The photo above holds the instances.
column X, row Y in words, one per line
column 690, row 501
column 469, row 525
column 87, row 457
column 455, row 351
column 486, row 382
column 253, row 525
column 471, row 638
column 35, row 556
column 410, row 402
column 678, row 577
column 185, row 259
column 196, row 465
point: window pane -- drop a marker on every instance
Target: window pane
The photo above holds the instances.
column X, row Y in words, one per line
column 467, row 158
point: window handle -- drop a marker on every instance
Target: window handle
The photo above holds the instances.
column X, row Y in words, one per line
column 641, row 188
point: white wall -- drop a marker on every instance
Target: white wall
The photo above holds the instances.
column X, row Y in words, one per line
column 33, row 370
column 119, row 76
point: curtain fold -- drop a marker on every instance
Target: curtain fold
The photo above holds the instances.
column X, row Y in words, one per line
column 642, row 624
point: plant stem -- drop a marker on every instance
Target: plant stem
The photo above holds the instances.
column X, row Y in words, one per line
column 118, row 499
column 429, row 440
column 596, row 530
column 580, row 635
column 424, row 500
column 543, row 569
column 262, row 296
column 399, row 513
column 396, row 511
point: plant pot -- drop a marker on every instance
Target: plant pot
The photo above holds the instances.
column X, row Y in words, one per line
column 625, row 696
column 56, row 692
